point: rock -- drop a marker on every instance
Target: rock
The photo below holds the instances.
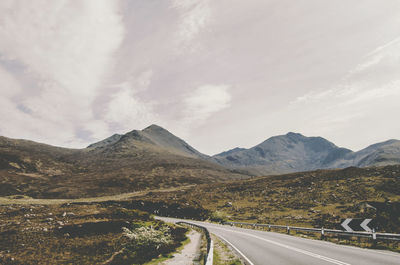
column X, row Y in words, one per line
column 228, row 204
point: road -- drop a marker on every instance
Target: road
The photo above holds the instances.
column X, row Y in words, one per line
column 263, row 248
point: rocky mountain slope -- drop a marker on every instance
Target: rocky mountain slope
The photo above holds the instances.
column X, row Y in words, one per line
column 153, row 135
column 149, row 159
column 380, row 154
column 294, row 152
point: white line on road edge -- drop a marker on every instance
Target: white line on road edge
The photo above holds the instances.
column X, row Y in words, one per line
column 334, row 261
column 235, row 248
column 210, row 254
column 374, row 251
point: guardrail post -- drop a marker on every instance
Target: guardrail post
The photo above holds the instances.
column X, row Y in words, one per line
column 288, row 229
column 373, row 237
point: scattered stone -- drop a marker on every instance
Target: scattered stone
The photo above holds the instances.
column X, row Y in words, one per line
column 228, row 204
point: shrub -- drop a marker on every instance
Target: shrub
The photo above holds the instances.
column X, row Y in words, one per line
column 143, row 244
column 147, row 237
column 218, row 216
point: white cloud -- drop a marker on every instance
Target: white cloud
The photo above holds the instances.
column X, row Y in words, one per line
column 389, row 51
column 205, row 101
column 194, row 17
column 69, row 42
column 66, row 47
column 62, row 59
column 125, row 111
column 9, row 85
column 366, row 97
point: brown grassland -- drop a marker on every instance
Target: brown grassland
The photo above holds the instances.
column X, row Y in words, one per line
column 76, row 234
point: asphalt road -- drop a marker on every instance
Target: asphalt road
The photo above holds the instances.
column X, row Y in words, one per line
column 263, row 248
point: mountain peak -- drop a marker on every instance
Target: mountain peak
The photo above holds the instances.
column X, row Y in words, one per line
column 293, row 134
column 154, row 127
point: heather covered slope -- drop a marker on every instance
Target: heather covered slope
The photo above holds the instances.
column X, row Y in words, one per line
column 148, row 159
column 320, row 198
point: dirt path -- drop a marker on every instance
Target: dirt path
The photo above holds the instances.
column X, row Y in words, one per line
column 189, row 252
column 118, row 197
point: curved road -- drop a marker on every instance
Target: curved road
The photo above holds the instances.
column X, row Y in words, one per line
column 262, row 248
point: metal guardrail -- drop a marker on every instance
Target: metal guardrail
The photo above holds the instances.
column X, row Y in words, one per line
column 210, row 245
column 372, row 235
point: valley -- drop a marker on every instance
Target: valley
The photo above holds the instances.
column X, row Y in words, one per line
column 152, row 172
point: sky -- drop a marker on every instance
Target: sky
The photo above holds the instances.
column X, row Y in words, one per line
column 219, row 74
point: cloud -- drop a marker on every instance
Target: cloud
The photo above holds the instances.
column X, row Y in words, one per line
column 194, row 17
column 125, row 111
column 205, row 101
column 66, row 49
column 9, row 85
column 360, row 86
column 367, row 95
column 388, row 51
column 74, row 72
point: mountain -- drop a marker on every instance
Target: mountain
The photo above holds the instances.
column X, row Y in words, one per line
column 152, row 158
column 294, row 152
column 153, row 135
column 380, row 154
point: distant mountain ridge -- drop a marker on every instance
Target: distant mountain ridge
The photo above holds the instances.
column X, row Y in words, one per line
column 295, row 152
column 154, row 158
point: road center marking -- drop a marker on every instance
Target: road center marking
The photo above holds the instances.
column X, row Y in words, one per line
column 305, row 252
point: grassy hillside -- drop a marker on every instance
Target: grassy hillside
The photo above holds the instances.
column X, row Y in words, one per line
column 81, row 234
column 132, row 164
column 317, row 198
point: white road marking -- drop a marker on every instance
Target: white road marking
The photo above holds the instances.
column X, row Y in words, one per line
column 322, row 242
column 235, row 248
column 373, row 251
column 334, row 261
